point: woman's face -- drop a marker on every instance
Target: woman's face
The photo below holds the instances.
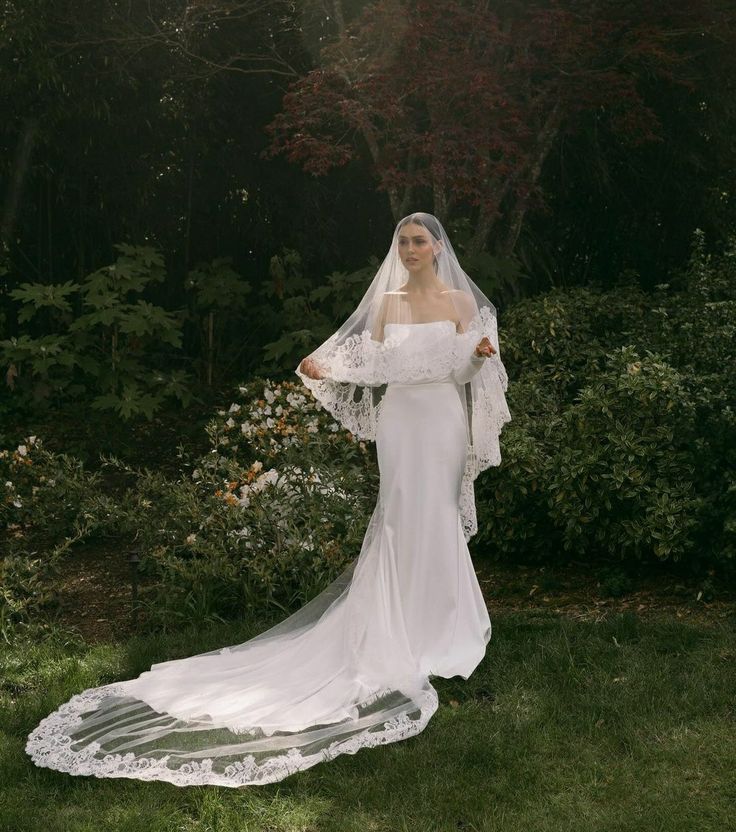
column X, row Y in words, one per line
column 415, row 247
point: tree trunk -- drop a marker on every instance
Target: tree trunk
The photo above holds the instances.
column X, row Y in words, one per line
column 21, row 162
column 399, row 202
column 545, row 140
column 486, row 218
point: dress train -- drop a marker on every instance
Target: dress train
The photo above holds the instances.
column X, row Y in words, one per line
column 349, row 670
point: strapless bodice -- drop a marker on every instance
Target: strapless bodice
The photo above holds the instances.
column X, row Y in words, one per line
column 410, row 336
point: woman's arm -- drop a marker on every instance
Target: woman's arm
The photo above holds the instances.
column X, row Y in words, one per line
column 469, row 366
column 465, row 370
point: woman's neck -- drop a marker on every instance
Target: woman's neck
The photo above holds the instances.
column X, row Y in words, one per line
column 424, row 281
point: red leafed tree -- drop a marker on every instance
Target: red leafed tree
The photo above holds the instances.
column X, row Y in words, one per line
column 462, row 101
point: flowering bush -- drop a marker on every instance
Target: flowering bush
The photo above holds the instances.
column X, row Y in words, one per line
column 271, row 418
column 272, row 513
column 47, row 503
column 263, row 521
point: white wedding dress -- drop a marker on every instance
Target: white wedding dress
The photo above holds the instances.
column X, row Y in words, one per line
column 348, row 670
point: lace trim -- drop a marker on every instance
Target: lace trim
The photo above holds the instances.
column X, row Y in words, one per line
column 51, row 746
column 360, row 363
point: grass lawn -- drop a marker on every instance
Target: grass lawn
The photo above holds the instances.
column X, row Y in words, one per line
column 621, row 724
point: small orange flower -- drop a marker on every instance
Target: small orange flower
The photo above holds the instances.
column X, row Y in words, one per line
column 218, row 493
column 232, row 485
column 231, row 499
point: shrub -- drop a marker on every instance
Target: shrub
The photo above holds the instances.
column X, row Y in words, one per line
column 274, row 511
column 623, row 439
column 49, row 502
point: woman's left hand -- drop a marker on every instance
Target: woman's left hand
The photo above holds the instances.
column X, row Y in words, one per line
column 484, row 347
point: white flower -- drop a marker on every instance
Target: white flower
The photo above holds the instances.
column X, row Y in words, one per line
column 8, row 484
column 295, row 399
column 234, row 408
column 196, row 474
column 270, row 422
column 17, row 503
column 268, row 395
column 22, row 450
column 267, row 410
column 257, row 465
column 191, row 538
column 230, row 422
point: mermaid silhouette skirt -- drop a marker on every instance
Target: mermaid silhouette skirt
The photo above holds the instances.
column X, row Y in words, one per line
column 349, row 670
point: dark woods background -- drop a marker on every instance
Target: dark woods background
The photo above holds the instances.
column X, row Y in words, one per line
column 250, row 154
column 196, row 194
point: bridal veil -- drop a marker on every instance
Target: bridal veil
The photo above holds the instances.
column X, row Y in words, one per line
column 339, row 674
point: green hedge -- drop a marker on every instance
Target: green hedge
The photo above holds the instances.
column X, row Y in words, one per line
column 623, row 439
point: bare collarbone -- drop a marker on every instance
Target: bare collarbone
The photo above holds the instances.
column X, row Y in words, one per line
column 425, row 315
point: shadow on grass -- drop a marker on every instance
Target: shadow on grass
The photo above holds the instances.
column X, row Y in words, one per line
column 624, row 724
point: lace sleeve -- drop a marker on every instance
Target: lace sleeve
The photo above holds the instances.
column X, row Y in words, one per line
column 468, row 363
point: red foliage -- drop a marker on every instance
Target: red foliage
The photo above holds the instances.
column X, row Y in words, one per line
column 457, row 97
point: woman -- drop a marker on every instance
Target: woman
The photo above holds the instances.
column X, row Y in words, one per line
column 416, row 368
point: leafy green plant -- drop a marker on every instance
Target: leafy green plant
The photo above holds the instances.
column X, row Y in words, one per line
column 623, row 438
column 307, row 310
column 219, row 297
column 113, row 350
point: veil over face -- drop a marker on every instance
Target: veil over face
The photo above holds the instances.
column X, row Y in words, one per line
column 370, row 349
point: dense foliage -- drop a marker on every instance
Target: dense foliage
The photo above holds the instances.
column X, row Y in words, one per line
column 572, row 143
column 622, row 449
column 623, row 439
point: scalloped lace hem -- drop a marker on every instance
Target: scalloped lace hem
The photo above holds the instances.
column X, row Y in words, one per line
column 51, row 746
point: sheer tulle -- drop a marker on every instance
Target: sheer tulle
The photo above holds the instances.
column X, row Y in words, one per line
column 350, row 669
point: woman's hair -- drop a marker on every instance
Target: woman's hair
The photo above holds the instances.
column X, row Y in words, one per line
column 428, row 221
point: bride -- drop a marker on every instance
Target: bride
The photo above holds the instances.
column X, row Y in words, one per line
column 416, row 368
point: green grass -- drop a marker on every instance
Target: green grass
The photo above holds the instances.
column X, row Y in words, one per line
column 620, row 725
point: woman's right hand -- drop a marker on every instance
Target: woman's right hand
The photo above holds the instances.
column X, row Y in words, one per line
column 311, row 369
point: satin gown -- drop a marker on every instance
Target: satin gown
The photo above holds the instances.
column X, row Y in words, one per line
column 349, row 670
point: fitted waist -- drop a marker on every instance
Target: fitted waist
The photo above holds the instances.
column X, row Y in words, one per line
column 442, row 382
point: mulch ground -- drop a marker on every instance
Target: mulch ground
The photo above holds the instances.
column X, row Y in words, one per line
column 96, row 592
